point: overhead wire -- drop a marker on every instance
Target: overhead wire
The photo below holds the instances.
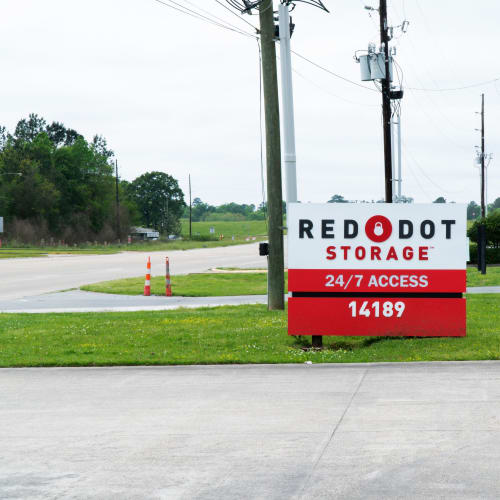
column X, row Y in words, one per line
column 453, row 89
column 215, row 20
column 185, row 10
column 228, row 26
column 336, row 75
column 435, row 184
column 262, row 178
column 210, row 14
column 435, row 106
column 424, row 192
column 305, row 78
column 239, row 17
column 435, row 42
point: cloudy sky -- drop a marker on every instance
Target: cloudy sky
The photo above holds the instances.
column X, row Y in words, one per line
column 173, row 93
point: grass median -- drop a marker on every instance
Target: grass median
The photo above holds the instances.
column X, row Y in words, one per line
column 190, row 285
column 221, row 284
column 232, row 334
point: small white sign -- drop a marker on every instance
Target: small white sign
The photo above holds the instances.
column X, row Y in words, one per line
column 1, row 224
column 377, row 236
column 212, row 230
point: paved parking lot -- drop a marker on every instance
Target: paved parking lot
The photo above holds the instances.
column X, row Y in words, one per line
column 422, row 430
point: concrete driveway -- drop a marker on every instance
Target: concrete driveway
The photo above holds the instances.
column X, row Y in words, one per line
column 423, row 430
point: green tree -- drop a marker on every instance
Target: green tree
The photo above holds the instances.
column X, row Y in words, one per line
column 492, row 223
column 200, row 210
column 403, row 199
column 67, row 183
column 159, row 200
column 494, row 205
column 337, row 198
column 473, row 210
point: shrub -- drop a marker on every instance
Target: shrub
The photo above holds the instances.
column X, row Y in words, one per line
column 492, row 255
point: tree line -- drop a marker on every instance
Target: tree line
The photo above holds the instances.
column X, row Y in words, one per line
column 55, row 184
column 201, row 211
column 473, row 209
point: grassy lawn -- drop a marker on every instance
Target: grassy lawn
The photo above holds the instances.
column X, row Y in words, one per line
column 191, row 285
column 240, row 229
column 491, row 278
column 243, row 334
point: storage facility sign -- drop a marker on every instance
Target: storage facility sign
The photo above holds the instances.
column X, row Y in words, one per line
column 377, row 269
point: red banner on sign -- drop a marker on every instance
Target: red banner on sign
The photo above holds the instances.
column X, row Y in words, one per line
column 406, row 317
column 381, row 281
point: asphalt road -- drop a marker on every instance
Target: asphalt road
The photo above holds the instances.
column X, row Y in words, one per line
column 34, row 276
column 405, row 431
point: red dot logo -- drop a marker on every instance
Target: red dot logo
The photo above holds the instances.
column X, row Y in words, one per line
column 378, row 228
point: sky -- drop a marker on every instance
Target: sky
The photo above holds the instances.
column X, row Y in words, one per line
column 172, row 93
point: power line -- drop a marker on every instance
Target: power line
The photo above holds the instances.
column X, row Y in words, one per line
column 331, row 93
column 223, row 21
column 486, row 82
column 239, row 17
column 435, row 184
column 436, row 124
column 185, row 10
column 331, row 72
column 418, row 182
column 262, row 179
column 228, row 26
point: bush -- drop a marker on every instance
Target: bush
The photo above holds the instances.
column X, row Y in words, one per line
column 492, row 223
column 203, row 237
column 492, row 255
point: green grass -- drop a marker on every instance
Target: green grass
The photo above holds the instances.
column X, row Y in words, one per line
column 491, row 278
column 243, row 334
column 13, row 253
column 191, row 285
column 240, row 229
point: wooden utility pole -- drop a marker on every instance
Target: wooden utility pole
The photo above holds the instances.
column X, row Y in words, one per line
column 275, row 292
column 190, row 210
column 386, row 101
column 118, row 228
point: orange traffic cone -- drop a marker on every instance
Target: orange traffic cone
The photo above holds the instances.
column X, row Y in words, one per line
column 168, row 286
column 147, row 283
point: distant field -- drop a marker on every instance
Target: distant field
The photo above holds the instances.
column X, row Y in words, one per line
column 228, row 229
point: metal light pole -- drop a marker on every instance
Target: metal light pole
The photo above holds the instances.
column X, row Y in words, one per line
column 400, row 179
column 288, row 121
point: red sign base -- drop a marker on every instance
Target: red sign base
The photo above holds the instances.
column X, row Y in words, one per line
column 377, row 316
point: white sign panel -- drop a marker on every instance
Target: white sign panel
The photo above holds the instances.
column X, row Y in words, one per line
column 377, row 236
column 1, row 224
